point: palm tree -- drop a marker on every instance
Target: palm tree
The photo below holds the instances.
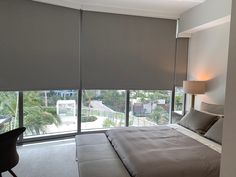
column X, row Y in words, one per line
column 88, row 95
column 36, row 115
column 9, row 107
column 36, row 119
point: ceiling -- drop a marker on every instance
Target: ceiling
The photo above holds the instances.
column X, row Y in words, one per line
column 170, row 9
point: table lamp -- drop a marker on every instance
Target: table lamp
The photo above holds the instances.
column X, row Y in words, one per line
column 194, row 88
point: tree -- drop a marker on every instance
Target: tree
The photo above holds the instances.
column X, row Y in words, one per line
column 36, row 119
column 159, row 115
column 9, row 107
column 114, row 100
column 145, row 96
column 178, row 102
column 36, row 116
column 107, row 123
column 88, row 96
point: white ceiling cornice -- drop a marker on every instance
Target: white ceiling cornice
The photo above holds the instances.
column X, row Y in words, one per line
column 169, row 9
column 63, row 3
column 206, row 26
column 128, row 11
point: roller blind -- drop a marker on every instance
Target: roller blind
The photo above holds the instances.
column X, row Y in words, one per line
column 181, row 61
column 127, row 52
column 39, row 46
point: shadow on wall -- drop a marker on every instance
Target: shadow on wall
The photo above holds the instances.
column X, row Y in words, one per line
column 218, row 81
column 216, row 89
column 215, row 92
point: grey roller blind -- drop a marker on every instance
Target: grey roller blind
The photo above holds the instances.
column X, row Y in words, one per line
column 39, row 46
column 181, row 61
column 127, row 52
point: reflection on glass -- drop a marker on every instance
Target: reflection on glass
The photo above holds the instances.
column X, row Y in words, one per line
column 149, row 107
column 9, row 118
column 50, row 112
column 103, row 109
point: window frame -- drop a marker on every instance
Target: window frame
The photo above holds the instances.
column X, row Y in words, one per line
column 184, row 101
column 23, row 140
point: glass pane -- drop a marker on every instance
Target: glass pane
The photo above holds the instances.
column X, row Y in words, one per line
column 149, row 107
column 50, row 112
column 103, row 109
column 179, row 100
column 178, row 104
column 9, row 118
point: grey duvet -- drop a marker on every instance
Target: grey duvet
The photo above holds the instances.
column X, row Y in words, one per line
column 162, row 151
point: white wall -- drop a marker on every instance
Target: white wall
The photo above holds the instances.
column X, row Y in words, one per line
column 206, row 12
column 228, row 165
column 208, row 56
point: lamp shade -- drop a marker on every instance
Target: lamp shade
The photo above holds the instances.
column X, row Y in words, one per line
column 194, row 87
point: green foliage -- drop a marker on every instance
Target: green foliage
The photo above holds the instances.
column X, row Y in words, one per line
column 111, row 98
column 159, row 115
column 114, row 100
column 36, row 115
column 107, row 123
column 33, row 98
column 88, row 96
column 52, row 97
column 51, row 110
column 36, row 119
column 88, row 118
column 8, row 103
column 179, row 102
column 145, row 96
column 40, row 111
column 9, row 107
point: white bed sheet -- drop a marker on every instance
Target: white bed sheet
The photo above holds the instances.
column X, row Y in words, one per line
column 199, row 138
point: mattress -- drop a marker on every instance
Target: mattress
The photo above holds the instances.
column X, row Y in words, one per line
column 97, row 158
column 164, row 151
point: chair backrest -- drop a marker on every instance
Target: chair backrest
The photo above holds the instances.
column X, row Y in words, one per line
column 8, row 154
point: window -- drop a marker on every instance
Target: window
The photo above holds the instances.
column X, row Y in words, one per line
column 50, row 112
column 179, row 100
column 103, row 109
column 149, row 108
column 178, row 104
column 55, row 112
column 9, row 118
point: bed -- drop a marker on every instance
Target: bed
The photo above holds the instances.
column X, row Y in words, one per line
column 158, row 151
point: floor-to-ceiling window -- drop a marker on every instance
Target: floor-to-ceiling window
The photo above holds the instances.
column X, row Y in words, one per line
column 149, row 107
column 179, row 100
column 179, row 104
column 9, row 117
column 102, row 109
column 49, row 112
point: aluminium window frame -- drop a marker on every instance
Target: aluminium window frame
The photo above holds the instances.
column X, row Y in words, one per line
column 58, row 136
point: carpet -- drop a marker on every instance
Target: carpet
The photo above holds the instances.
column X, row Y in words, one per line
column 49, row 159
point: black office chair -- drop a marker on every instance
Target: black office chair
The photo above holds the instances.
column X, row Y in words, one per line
column 8, row 154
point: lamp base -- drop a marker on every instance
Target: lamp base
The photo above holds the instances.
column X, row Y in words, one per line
column 192, row 101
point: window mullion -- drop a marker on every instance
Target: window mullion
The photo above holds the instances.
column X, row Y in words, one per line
column 79, row 111
column 21, row 114
column 127, row 108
